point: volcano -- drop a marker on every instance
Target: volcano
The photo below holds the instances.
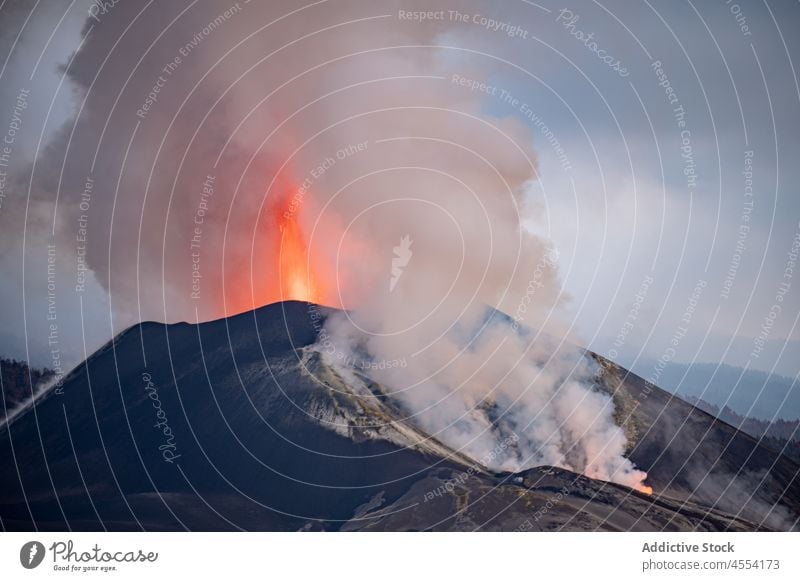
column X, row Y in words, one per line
column 240, row 424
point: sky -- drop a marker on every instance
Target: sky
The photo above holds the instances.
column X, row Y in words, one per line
column 663, row 136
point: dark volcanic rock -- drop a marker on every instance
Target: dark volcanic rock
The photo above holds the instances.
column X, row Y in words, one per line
column 238, row 424
column 691, row 455
column 540, row 499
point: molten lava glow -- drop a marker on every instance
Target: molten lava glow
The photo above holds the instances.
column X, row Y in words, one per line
column 645, row 489
column 297, row 281
column 285, row 262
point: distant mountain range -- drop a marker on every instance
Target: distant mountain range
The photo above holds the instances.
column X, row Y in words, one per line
column 750, row 393
column 241, row 424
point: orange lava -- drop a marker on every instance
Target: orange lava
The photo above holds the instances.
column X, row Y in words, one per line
column 645, row 489
column 297, row 281
column 284, row 264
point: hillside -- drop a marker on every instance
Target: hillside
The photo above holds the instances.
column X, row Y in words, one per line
column 240, row 424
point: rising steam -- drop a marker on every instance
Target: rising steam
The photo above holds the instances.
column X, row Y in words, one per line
column 287, row 155
column 475, row 378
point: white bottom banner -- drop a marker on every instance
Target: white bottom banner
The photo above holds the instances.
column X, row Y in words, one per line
column 388, row 556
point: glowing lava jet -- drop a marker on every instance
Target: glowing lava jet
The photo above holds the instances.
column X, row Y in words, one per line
column 297, row 281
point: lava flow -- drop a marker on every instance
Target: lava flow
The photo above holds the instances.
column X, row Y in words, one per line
column 297, row 281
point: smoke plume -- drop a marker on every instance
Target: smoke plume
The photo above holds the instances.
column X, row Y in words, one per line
column 236, row 155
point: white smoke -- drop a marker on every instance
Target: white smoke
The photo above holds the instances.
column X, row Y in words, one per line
column 385, row 119
column 453, row 178
column 478, row 384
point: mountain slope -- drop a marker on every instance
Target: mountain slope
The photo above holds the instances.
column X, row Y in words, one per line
column 238, row 424
column 691, row 455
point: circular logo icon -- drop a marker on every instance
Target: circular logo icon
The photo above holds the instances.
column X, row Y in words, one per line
column 31, row 554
